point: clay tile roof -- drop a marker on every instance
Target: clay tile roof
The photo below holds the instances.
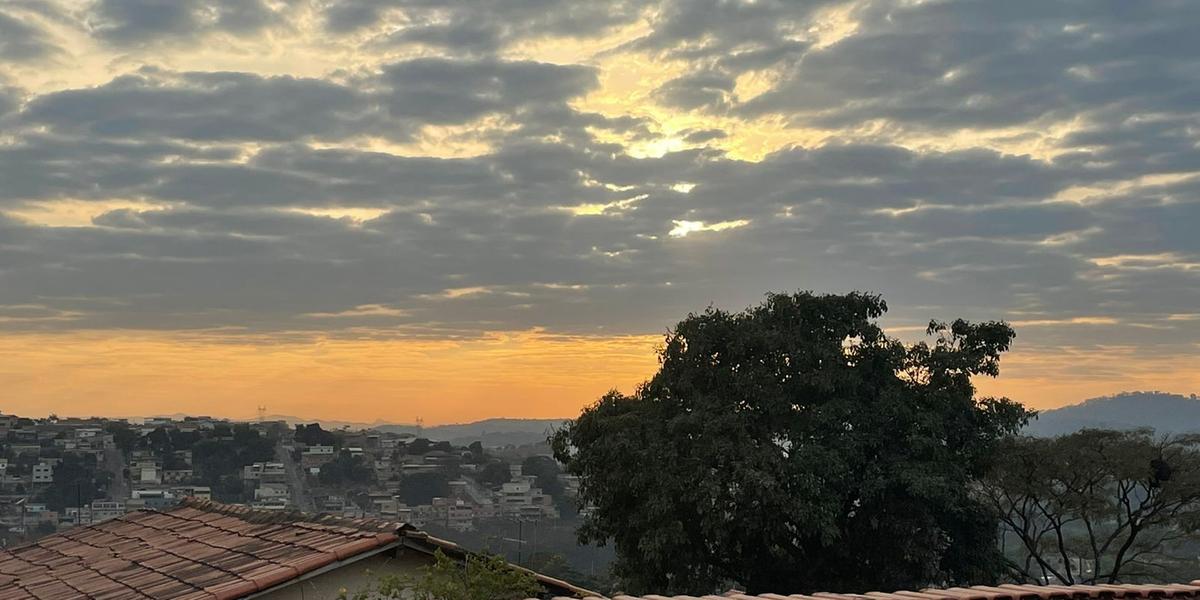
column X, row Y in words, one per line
column 1189, row 591
column 200, row 550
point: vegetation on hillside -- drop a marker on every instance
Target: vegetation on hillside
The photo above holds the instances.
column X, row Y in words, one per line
column 477, row 577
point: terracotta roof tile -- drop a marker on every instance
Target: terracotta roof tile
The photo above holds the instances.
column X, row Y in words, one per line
column 1190, row 591
column 198, row 551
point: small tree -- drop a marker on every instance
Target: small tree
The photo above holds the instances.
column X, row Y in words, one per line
column 478, row 577
column 1097, row 506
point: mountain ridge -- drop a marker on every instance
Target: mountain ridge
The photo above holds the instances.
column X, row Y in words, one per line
column 1163, row 412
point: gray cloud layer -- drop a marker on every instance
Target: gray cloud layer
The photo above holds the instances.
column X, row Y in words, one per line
column 21, row 40
column 241, row 167
column 134, row 22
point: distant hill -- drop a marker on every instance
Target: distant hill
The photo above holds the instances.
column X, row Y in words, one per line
column 490, row 432
column 1163, row 412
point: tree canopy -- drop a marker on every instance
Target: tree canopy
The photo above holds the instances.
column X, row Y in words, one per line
column 422, row 488
column 546, row 470
column 494, row 474
column 1098, row 506
column 794, row 447
column 346, row 470
column 218, row 463
column 76, row 482
column 313, row 435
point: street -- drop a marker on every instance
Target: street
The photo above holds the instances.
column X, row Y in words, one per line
column 114, row 462
column 300, row 495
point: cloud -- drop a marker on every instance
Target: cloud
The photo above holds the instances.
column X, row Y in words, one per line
column 210, row 107
column 934, row 65
column 747, row 32
column 134, row 22
column 22, row 40
column 260, row 202
column 708, row 90
column 496, row 223
column 700, row 136
column 240, row 107
column 10, row 98
column 478, row 27
column 439, row 90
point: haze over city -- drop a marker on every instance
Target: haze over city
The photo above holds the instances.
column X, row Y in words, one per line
column 374, row 210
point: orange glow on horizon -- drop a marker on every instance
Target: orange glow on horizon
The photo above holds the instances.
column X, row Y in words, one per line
column 516, row 374
column 530, row 374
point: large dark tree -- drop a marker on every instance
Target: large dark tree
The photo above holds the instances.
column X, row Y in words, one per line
column 793, row 447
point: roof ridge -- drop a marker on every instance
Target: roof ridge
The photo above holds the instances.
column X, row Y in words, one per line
column 1122, row 591
column 292, row 516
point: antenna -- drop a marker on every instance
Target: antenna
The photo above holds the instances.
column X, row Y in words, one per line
column 262, row 413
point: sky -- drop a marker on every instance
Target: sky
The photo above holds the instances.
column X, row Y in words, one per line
column 391, row 209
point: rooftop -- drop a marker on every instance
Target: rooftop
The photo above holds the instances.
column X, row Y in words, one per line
column 980, row 592
column 198, row 551
column 204, row 550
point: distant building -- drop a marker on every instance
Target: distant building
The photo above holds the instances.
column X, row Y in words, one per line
column 267, row 472
column 273, row 491
column 176, row 475
column 316, row 456
column 43, row 473
column 202, row 492
column 147, row 474
column 151, row 499
column 384, row 505
column 88, row 432
column 103, row 510
column 521, row 498
column 453, row 514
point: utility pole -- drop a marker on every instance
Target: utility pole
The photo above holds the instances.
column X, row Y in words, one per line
column 533, row 547
column 21, row 503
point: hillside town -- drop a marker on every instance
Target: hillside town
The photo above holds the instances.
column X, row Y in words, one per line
column 63, row 472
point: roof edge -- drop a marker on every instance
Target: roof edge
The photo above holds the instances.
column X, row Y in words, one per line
column 258, row 515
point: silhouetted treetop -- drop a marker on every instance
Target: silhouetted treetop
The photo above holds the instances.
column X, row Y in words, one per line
column 794, row 447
